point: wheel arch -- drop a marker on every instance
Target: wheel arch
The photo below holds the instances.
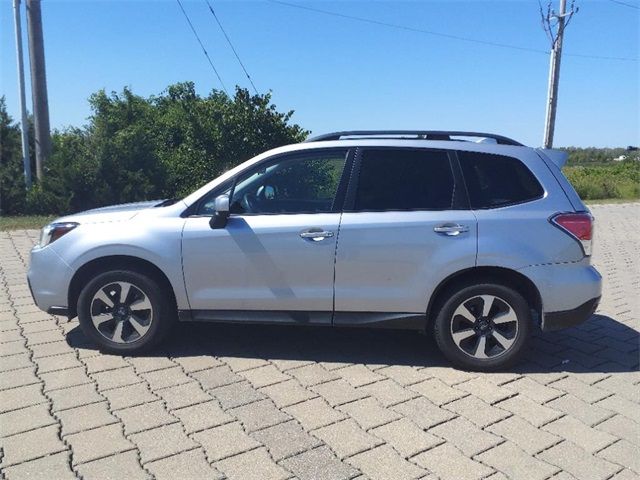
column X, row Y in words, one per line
column 504, row 276
column 114, row 262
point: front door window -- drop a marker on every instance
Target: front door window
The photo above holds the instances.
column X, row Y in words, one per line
column 305, row 183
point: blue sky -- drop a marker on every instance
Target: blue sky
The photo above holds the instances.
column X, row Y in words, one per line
column 337, row 73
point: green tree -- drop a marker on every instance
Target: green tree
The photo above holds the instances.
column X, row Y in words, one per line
column 12, row 186
column 137, row 148
column 596, row 156
column 200, row 138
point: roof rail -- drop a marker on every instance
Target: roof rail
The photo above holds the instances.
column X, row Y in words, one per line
column 417, row 134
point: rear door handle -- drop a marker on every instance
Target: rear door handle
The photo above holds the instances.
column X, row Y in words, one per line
column 316, row 234
column 451, row 229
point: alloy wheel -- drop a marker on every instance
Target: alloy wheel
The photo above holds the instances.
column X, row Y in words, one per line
column 484, row 326
column 121, row 312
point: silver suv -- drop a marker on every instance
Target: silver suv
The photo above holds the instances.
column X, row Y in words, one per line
column 471, row 236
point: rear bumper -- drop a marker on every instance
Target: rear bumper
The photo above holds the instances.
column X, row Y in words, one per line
column 564, row 286
column 553, row 321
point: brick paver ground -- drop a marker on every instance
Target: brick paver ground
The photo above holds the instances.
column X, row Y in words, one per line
column 246, row 402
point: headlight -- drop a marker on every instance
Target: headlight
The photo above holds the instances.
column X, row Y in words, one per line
column 54, row 231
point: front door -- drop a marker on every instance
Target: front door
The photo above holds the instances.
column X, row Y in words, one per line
column 274, row 260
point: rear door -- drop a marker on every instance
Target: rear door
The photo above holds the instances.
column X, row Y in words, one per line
column 405, row 228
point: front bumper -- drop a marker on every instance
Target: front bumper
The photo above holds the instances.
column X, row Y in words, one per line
column 569, row 318
column 49, row 277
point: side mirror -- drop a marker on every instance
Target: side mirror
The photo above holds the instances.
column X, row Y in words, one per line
column 221, row 205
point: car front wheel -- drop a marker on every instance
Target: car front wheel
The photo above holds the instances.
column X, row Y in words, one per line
column 483, row 327
column 124, row 312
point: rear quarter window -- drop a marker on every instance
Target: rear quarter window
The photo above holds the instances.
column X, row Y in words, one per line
column 497, row 180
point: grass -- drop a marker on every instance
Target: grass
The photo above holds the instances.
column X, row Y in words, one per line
column 24, row 222
column 607, row 201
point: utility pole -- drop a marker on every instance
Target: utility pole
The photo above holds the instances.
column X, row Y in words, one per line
column 38, row 85
column 554, row 24
column 24, row 123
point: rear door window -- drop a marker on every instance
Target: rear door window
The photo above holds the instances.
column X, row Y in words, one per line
column 497, row 180
column 404, row 179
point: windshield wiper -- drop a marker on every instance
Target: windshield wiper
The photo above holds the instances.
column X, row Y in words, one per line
column 167, row 202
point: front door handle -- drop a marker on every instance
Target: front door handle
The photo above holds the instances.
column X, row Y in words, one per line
column 451, row 229
column 316, row 234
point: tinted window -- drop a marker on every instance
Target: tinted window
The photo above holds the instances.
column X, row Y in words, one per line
column 496, row 180
column 404, row 179
column 293, row 184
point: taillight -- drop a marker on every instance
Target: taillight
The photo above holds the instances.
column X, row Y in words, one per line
column 578, row 225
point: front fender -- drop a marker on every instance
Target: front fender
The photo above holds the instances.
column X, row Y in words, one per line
column 157, row 240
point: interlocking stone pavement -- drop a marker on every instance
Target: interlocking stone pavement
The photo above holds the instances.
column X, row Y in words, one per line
column 243, row 402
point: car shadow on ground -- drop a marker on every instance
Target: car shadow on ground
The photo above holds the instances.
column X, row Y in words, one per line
column 602, row 344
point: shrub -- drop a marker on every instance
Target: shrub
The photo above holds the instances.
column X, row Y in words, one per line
column 137, row 148
column 613, row 180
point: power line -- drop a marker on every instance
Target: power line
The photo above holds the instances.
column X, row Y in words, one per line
column 440, row 34
column 625, row 4
column 404, row 27
column 202, row 46
column 231, row 45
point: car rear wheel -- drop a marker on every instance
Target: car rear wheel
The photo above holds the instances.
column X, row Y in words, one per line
column 124, row 312
column 483, row 327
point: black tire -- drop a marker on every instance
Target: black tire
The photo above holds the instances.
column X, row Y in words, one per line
column 162, row 313
column 518, row 331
